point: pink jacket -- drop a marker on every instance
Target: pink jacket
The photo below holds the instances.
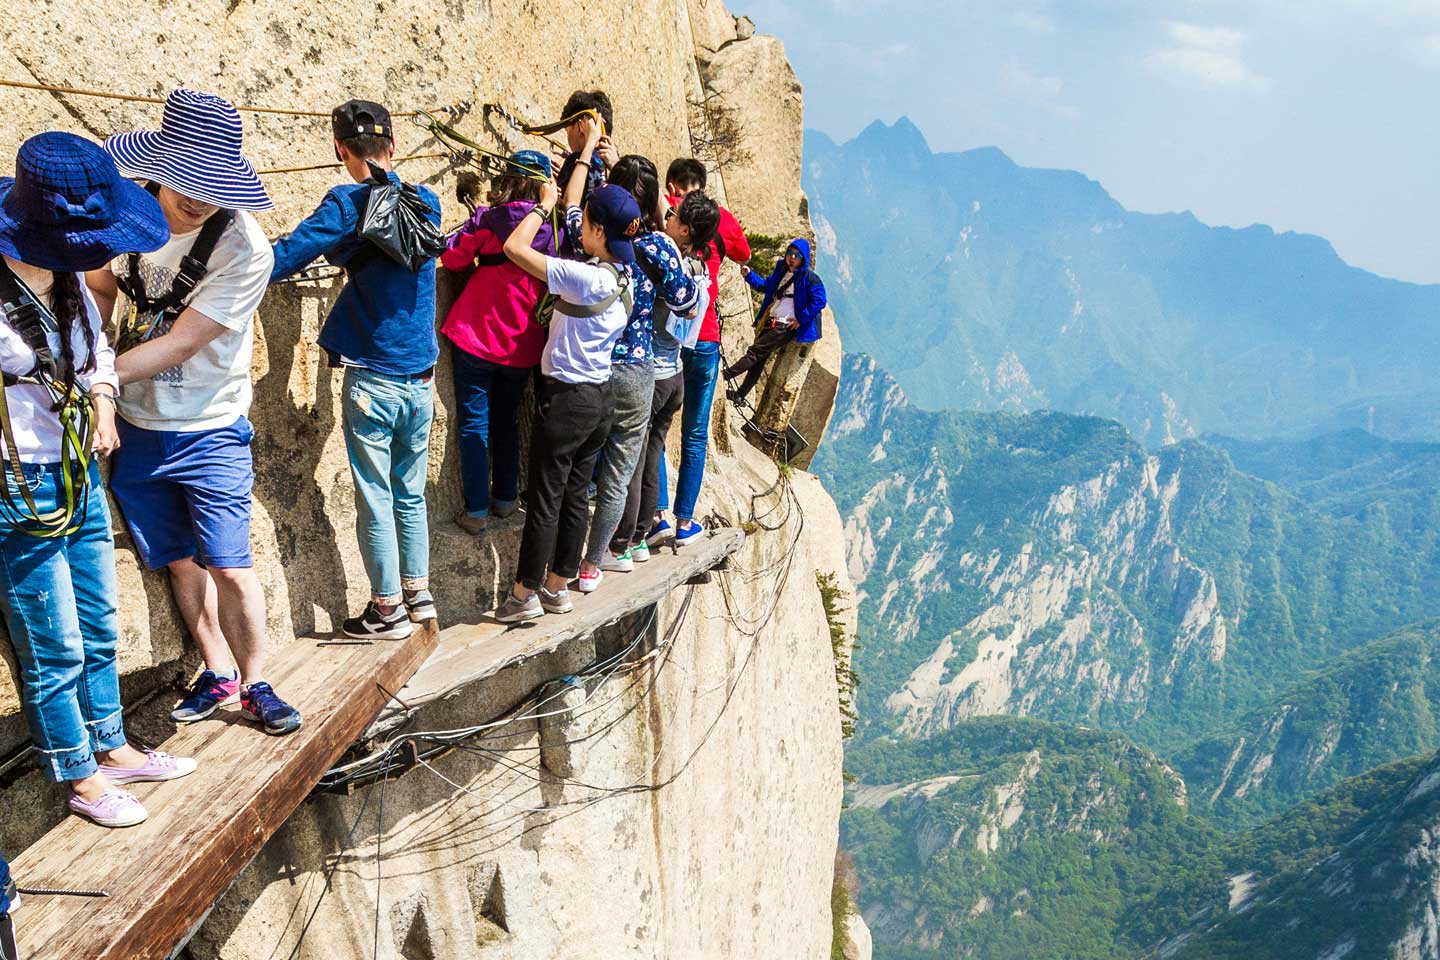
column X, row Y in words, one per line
column 493, row 318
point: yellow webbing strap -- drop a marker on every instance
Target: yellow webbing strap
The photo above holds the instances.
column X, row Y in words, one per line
column 77, row 434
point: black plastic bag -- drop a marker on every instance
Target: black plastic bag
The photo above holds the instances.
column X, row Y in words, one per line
column 396, row 222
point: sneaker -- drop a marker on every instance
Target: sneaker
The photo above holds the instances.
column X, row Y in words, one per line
column 115, row 808
column 589, row 580
column 420, row 605
column 502, row 509
column 684, row 535
column 266, row 708
column 471, row 525
column 660, row 532
column 592, row 491
column 640, row 552
column 207, row 694
column 557, row 602
column 621, row 564
column 158, row 768
column 374, row 625
column 514, row 611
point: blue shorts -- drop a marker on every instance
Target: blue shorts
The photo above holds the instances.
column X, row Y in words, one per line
column 186, row 494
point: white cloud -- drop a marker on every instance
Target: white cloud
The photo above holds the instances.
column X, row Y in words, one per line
column 1020, row 82
column 1206, row 57
column 1034, row 22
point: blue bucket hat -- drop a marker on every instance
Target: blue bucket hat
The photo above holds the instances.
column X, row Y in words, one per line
column 68, row 209
column 196, row 152
column 615, row 209
column 528, row 163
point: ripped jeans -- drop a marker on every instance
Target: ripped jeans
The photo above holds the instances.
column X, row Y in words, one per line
column 58, row 600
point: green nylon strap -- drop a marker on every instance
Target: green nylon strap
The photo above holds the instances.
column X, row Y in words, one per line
column 444, row 131
column 75, row 447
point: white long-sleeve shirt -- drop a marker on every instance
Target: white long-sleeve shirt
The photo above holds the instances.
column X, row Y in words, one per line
column 36, row 426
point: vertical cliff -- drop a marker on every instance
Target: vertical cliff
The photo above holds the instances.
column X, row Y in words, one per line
column 698, row 814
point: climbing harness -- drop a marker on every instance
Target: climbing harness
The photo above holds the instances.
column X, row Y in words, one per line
column 33, row 321
column 130, row 330
column 623, row 293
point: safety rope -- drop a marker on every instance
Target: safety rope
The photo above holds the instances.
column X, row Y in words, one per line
column 108, row 95
column 335, row 163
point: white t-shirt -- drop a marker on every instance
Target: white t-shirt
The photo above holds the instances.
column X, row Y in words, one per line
column 578, row 348
column 37, row 427
column 212, row 388
column 783, row 309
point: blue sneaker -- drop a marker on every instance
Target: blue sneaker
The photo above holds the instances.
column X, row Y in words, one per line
column 207, row 694
column 684, row 534
column 261, row 703
column 659, row 533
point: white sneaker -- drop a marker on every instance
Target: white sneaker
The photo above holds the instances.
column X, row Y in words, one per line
column 620, row 564
column 589, row 580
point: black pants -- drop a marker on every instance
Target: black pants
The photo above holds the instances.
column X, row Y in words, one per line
column 574, row 422
column 7, row 939
column 644, row 491
column 752, row 364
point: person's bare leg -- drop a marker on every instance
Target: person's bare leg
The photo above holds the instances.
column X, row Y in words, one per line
column 196, row 596
column 241, row 602
column 92, row 788
column 126, row 757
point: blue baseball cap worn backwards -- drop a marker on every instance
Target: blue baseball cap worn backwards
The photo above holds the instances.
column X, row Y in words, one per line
column 68, row 208
column 615, row 209
column 528, row 163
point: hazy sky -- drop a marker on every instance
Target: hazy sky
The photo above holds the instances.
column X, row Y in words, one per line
column 1316, row 116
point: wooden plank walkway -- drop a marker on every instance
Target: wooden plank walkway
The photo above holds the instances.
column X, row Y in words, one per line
column 165, row 874
column 470, row 652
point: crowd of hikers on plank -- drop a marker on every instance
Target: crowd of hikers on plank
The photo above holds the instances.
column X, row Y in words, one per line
column 130, row 277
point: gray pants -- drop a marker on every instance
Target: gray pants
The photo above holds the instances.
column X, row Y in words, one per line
column 632, row 386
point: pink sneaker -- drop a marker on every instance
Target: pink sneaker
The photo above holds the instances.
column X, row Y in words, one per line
column 159, row 766
column 115, row 808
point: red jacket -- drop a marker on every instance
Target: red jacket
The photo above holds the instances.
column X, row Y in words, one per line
column 737, row 248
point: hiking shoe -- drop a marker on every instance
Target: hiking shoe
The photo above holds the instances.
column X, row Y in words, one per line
column 420, row 605
column 557, row 602
column 158, row 768
column 501, row 509
column 514, row 611
column 115, row 808
column 589, row 580
column 374, row 625
column 266, row 708
column 659, row 533
column 640, row 552
column 620, row 564
column 471, row 525
column 207, row 694
column 684, row 535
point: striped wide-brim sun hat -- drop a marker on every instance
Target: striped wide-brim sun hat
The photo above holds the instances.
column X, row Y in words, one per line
column 196, row 152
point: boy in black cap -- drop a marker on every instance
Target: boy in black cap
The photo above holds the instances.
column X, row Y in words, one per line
column 594, row 305
column 382, row 330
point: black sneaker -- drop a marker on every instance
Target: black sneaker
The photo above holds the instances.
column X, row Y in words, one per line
column 374, row 625
column 420, row 605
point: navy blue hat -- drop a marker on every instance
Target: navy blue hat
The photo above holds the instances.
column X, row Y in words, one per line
column 528, row 163
column 196, row 152
column 615, row 209
column 67, row 208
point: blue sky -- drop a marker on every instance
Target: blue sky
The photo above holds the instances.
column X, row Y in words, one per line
column 1316, row 116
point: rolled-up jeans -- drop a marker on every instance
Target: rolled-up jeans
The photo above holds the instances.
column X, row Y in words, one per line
column 632, row 385
column 702, row 367
column 387, row 435
column 58, row 599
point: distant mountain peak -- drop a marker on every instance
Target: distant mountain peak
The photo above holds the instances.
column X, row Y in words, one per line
column 900, row 136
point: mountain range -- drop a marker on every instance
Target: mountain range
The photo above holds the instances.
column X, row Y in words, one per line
column 981, row 284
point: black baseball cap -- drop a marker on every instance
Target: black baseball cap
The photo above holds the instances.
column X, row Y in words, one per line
column 358, row 117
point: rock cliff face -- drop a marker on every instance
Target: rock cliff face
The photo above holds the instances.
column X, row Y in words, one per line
column 485, row 856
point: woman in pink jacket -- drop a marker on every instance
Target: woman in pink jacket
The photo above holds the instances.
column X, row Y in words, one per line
column 497, row 340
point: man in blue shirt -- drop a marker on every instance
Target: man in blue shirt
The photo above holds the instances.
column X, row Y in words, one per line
column 382, row 331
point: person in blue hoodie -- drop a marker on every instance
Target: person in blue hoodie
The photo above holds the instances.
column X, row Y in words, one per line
column 382, row 331
column 794, row 299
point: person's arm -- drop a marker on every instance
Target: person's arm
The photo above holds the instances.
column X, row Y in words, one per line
column 191, row 332
column 316, row 235
column 105, row 291
column 16, row 358
column 755, row 280
column 737, row 247
column 519, row 245
column 461, row 255
column 575, row 188
column 817, row 295
column 681, row 293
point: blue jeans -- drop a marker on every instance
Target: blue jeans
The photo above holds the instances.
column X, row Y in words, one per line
column 387, row 435
column 702, row 367
column 58, row 600
column 487, row 411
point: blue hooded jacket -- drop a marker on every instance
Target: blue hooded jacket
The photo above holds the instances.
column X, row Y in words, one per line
column 809, row 292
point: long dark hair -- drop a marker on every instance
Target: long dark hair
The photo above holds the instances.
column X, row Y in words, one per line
column 638, row 175
column 702, row 215
column 508, row 188
column 68, row 304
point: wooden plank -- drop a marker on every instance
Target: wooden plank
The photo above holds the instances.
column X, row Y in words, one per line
column 163, row 875
column 470, row 652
